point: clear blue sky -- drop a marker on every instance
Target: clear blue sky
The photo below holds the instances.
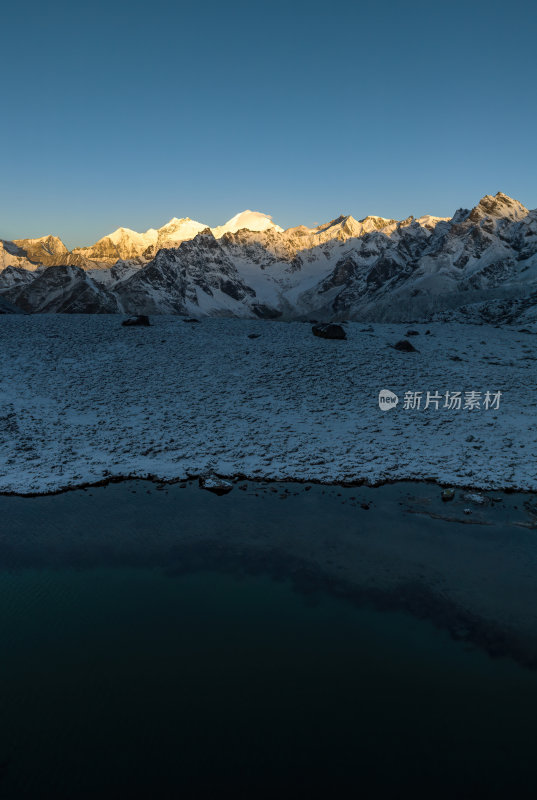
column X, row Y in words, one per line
column 131, row 113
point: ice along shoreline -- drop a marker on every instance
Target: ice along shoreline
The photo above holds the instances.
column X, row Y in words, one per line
column 267, row 481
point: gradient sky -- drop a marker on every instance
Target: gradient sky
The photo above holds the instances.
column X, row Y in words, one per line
column 131, row 113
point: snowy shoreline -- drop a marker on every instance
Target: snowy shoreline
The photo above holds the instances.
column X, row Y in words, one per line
column 268, row 481
column 83, row 401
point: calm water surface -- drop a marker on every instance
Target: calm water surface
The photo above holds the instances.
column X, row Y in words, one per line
column 123, row 674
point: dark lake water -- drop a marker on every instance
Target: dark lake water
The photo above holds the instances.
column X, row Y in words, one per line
column 134, row 664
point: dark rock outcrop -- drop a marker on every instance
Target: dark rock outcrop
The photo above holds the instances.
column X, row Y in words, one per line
column 265, row 312
column 329, row 331
column 404, row 346
column 9, row 308
column 63, row 290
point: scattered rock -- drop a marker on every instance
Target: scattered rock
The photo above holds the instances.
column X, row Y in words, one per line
column 467, row 510
column 404, row 346
column 139, row 319
column 254, row 335
column 455, row 358
column 329, row 331
column 215, row 484
column 191, row 319
column 448, row 494
column 427, row 332
column 412, row 333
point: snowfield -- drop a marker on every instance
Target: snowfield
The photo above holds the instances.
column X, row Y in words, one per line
column 83, row 399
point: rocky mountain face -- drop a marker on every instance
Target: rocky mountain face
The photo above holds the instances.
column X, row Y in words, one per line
column 8, row 308
column 196, row 275
column 479, row 265
column 125, row 244
column 31, row 254
column 50, row 251
column 63, row 290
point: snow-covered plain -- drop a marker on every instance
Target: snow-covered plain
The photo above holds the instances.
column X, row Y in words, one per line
column 83, row 399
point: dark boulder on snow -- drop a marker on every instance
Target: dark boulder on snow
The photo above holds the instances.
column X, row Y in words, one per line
column 139, row 319
column 329, row 331
column 412, row 333
column 404, row 346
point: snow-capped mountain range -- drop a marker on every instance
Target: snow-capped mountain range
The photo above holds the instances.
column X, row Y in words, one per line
column 479, row 265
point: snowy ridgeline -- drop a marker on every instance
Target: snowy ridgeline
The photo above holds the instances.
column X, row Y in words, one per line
column 478, row 266
column 83, row 398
